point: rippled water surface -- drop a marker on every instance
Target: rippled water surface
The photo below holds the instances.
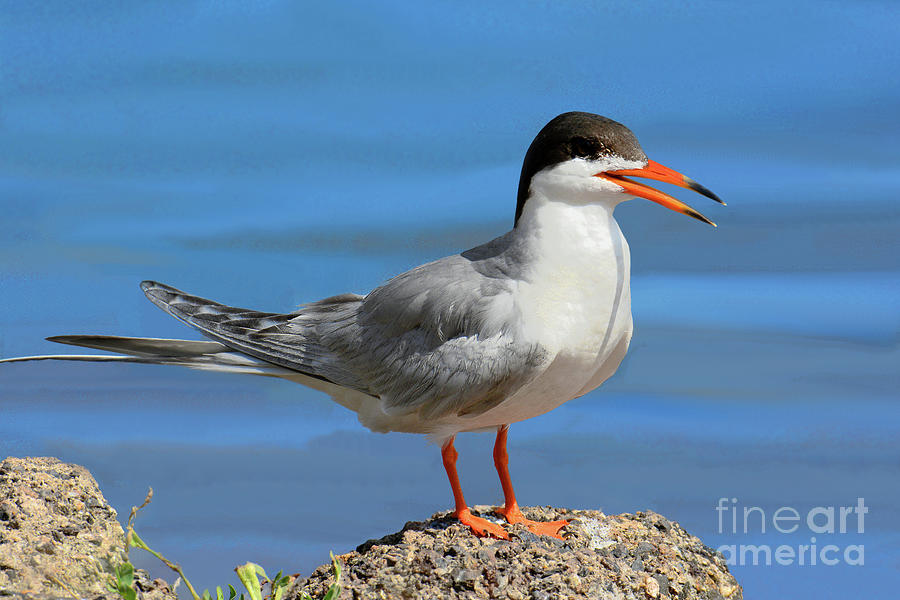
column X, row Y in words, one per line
column 269, row 154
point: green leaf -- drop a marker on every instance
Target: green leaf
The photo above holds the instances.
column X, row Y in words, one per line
column 135, row 541
column 335, row 590
column 279, row 585
column 337, row 568
column 219, row 594
column 125, row 574
column 248, row 574
column 232, row 593
column 122, row 581
column 206, row 595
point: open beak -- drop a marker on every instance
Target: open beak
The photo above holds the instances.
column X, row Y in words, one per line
column 654, row 170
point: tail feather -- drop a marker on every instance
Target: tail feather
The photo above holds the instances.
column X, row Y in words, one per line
column 141, row 346
column 77, row 357
column 206, row 356
column 242, row 341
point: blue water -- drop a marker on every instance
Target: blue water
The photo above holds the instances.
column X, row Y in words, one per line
column 271, row 153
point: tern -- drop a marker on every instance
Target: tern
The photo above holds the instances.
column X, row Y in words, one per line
column 503, row 332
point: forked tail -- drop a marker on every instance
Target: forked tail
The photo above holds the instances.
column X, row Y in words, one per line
column 204, row 355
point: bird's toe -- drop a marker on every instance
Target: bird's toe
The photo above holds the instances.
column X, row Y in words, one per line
column 481, row 527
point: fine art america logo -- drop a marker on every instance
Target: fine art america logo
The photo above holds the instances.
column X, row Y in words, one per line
column 817, row 521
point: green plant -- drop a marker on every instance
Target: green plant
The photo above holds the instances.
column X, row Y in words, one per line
column 122, row 580
column 334, row 589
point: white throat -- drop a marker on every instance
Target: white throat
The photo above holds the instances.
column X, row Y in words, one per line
column 577, row 287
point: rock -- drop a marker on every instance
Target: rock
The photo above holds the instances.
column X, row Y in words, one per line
column 604, row 557
column 58, row 535
column 59, row 538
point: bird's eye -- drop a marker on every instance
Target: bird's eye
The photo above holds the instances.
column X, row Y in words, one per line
column 582, row 146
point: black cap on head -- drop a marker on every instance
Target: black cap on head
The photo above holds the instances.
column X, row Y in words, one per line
column 575, row 135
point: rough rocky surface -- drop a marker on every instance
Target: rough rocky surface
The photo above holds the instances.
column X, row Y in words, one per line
column 58, row 536
column 60, row 539
column 619, row 557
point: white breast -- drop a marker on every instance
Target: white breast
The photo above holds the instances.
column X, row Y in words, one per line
column 575, row 302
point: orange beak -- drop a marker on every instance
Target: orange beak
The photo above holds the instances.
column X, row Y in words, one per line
column 656, row 171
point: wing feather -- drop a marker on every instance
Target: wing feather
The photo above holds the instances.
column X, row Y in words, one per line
column 439, row 340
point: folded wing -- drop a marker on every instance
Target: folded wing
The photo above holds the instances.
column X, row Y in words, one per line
column 437, row 340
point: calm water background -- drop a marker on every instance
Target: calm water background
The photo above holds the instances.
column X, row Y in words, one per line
column 270, row 153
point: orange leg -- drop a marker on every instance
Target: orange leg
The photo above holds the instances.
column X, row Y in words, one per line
column 480, row 527
column 511, row 508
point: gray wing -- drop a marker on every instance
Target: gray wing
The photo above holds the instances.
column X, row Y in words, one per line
column 439, row 339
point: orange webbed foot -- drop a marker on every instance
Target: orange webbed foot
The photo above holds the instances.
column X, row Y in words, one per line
column 514, row 516
column 481, row 527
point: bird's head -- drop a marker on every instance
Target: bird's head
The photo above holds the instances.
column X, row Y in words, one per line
column 587, row 157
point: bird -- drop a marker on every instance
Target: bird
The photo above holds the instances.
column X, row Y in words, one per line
column 497, row 334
